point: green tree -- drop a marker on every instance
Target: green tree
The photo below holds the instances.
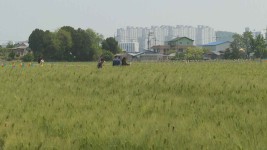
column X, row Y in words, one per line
column 95, row 39
column 247, row 38
column 11, row 55
column 28, row 57
column 259, row 47
column 107, row 55
column 66, row 44
column 194, row 53
column 50, row 46
column 236, row 46
column 36, row 42
column 110, row 44
column 227, row 54
column 10, row 45
column 180, row 56
column 64, row 40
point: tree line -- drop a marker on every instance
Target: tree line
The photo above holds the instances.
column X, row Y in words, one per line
column 246, row 46
column 69, row 44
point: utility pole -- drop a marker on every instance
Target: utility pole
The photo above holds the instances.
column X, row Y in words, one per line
column 148, row 41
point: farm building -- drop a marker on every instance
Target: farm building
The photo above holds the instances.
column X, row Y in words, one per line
column 216, row 49
column 178, row 45
column 21, row 49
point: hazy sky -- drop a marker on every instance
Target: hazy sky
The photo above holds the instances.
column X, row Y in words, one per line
column 20, row 17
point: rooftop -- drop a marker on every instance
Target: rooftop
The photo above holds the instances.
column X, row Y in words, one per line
column 178, row 38
column 216, row 43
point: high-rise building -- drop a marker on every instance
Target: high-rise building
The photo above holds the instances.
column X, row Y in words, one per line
column 204, row 35
column 158, row 35
column 129, row 46
column 222, row 36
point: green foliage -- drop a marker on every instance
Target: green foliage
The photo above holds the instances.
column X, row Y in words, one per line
column 194, row 53
column 10, row 45
column 11, row 55
column 64, row 40
column 247, row 40
column 110, row 44
column 245, row 44
column 28, row 57
column 259, row 47
column 170, row 106
column 180, row 56
column 236, row 46
column 66, row 44
column 36, row 42
column 4, row 53
column 107, row 55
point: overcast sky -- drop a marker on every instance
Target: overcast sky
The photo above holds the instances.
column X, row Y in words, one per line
column 20, row 17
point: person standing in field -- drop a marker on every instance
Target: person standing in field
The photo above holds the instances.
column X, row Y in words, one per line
column 100, row 63
column 39, row 59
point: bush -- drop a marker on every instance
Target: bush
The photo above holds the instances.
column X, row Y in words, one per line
column 28, row 57
column 107, row 55
column 11, row 55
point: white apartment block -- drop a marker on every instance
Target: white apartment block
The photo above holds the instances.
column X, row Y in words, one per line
column 158, row 35
column 129, row 46
column 204, row 35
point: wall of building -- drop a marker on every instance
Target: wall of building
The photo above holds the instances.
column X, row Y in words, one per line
column 129, row 46
column 217, row 48
column 222, row 47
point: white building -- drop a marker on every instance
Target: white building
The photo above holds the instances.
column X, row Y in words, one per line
column 129, row 46
column 158, row 35
column 204, row 35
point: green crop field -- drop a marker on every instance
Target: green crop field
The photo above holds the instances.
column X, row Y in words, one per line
column 197, row 105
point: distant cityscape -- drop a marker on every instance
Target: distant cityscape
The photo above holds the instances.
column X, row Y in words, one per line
column 138, row 39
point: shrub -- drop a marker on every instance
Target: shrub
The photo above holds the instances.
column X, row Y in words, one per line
column 28, row 57
column 107, row 55
column 11, row 55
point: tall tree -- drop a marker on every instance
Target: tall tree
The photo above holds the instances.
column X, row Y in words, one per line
column 36, row 42
column 51, row 46
column 236, row 46
column 247, row 40
column 110, row 44
column 95, row 39
column 259, row 46
column 64, row 40
column 66, row 44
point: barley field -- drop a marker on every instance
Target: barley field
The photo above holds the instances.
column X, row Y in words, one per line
column 173, row 105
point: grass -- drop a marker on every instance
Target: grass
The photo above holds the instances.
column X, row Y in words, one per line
column 203, row 105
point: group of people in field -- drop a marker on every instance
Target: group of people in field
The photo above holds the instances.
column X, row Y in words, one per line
column 117, row 61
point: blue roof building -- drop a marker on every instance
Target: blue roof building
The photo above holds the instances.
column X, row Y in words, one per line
column 219, row 46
